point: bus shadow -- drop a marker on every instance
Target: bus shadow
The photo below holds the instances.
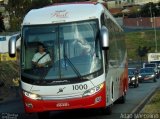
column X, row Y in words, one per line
column 75, row 114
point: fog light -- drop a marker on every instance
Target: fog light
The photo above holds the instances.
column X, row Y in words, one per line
column 98, row 99
column 29, row 105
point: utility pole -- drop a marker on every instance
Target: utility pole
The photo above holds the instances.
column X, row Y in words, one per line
column 153, row 22
column 155, row 33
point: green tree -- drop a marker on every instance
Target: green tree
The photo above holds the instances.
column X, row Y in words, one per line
column 63, row 1
column 18, row 8
column 150, row 9
column 39, row 3
column 2, row 28
column 142, row 51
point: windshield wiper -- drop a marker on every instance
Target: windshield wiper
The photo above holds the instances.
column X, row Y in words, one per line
column 73, row 67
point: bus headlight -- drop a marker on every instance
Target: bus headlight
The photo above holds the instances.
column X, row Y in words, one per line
column 93, row 90
column 32, row 95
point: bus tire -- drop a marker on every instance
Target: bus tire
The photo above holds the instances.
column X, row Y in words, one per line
column 107, row 110
column 122, row 99
column 43, row 115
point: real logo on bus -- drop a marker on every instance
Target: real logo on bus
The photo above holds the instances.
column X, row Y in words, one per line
column 60, row 14
column 65, row 104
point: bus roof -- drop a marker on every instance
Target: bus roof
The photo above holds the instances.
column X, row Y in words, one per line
column 61, row 13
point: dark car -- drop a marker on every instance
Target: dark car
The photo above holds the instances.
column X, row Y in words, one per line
column 152, row 65
column 133, row 77
column 146, row 74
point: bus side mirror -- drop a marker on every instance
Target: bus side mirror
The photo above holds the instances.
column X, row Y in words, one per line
column 12, row 45
column 104, row 37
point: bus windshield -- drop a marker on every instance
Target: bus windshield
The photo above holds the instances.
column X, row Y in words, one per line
column 74, row 50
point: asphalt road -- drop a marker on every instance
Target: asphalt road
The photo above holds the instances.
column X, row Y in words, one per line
column 135, row 97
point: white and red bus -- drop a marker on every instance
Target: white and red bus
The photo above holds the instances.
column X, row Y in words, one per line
column 89, row 58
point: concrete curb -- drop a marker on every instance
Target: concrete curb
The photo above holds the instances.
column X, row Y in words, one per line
column 141, row 105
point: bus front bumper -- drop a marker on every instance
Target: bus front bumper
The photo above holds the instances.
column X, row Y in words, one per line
column 97, row 100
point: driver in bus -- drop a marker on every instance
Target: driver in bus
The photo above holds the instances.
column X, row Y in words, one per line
column 41, row 58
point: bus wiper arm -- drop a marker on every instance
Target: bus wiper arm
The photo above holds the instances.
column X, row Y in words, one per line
column 73, row 67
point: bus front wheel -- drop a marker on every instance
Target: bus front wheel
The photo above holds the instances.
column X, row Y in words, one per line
column 107, row 110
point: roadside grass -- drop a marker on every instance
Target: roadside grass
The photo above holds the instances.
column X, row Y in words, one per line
column 146, row 38
column 8, row 71
column 153, row 106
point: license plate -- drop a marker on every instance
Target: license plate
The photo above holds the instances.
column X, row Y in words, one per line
column 65, row 104
column 146, row 78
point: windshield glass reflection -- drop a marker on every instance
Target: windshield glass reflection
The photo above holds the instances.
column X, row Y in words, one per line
column 73, row 50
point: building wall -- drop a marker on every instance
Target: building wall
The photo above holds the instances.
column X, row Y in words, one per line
column 145, row 1
column 141, row 22
column 111, row 4
column 121, row 3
